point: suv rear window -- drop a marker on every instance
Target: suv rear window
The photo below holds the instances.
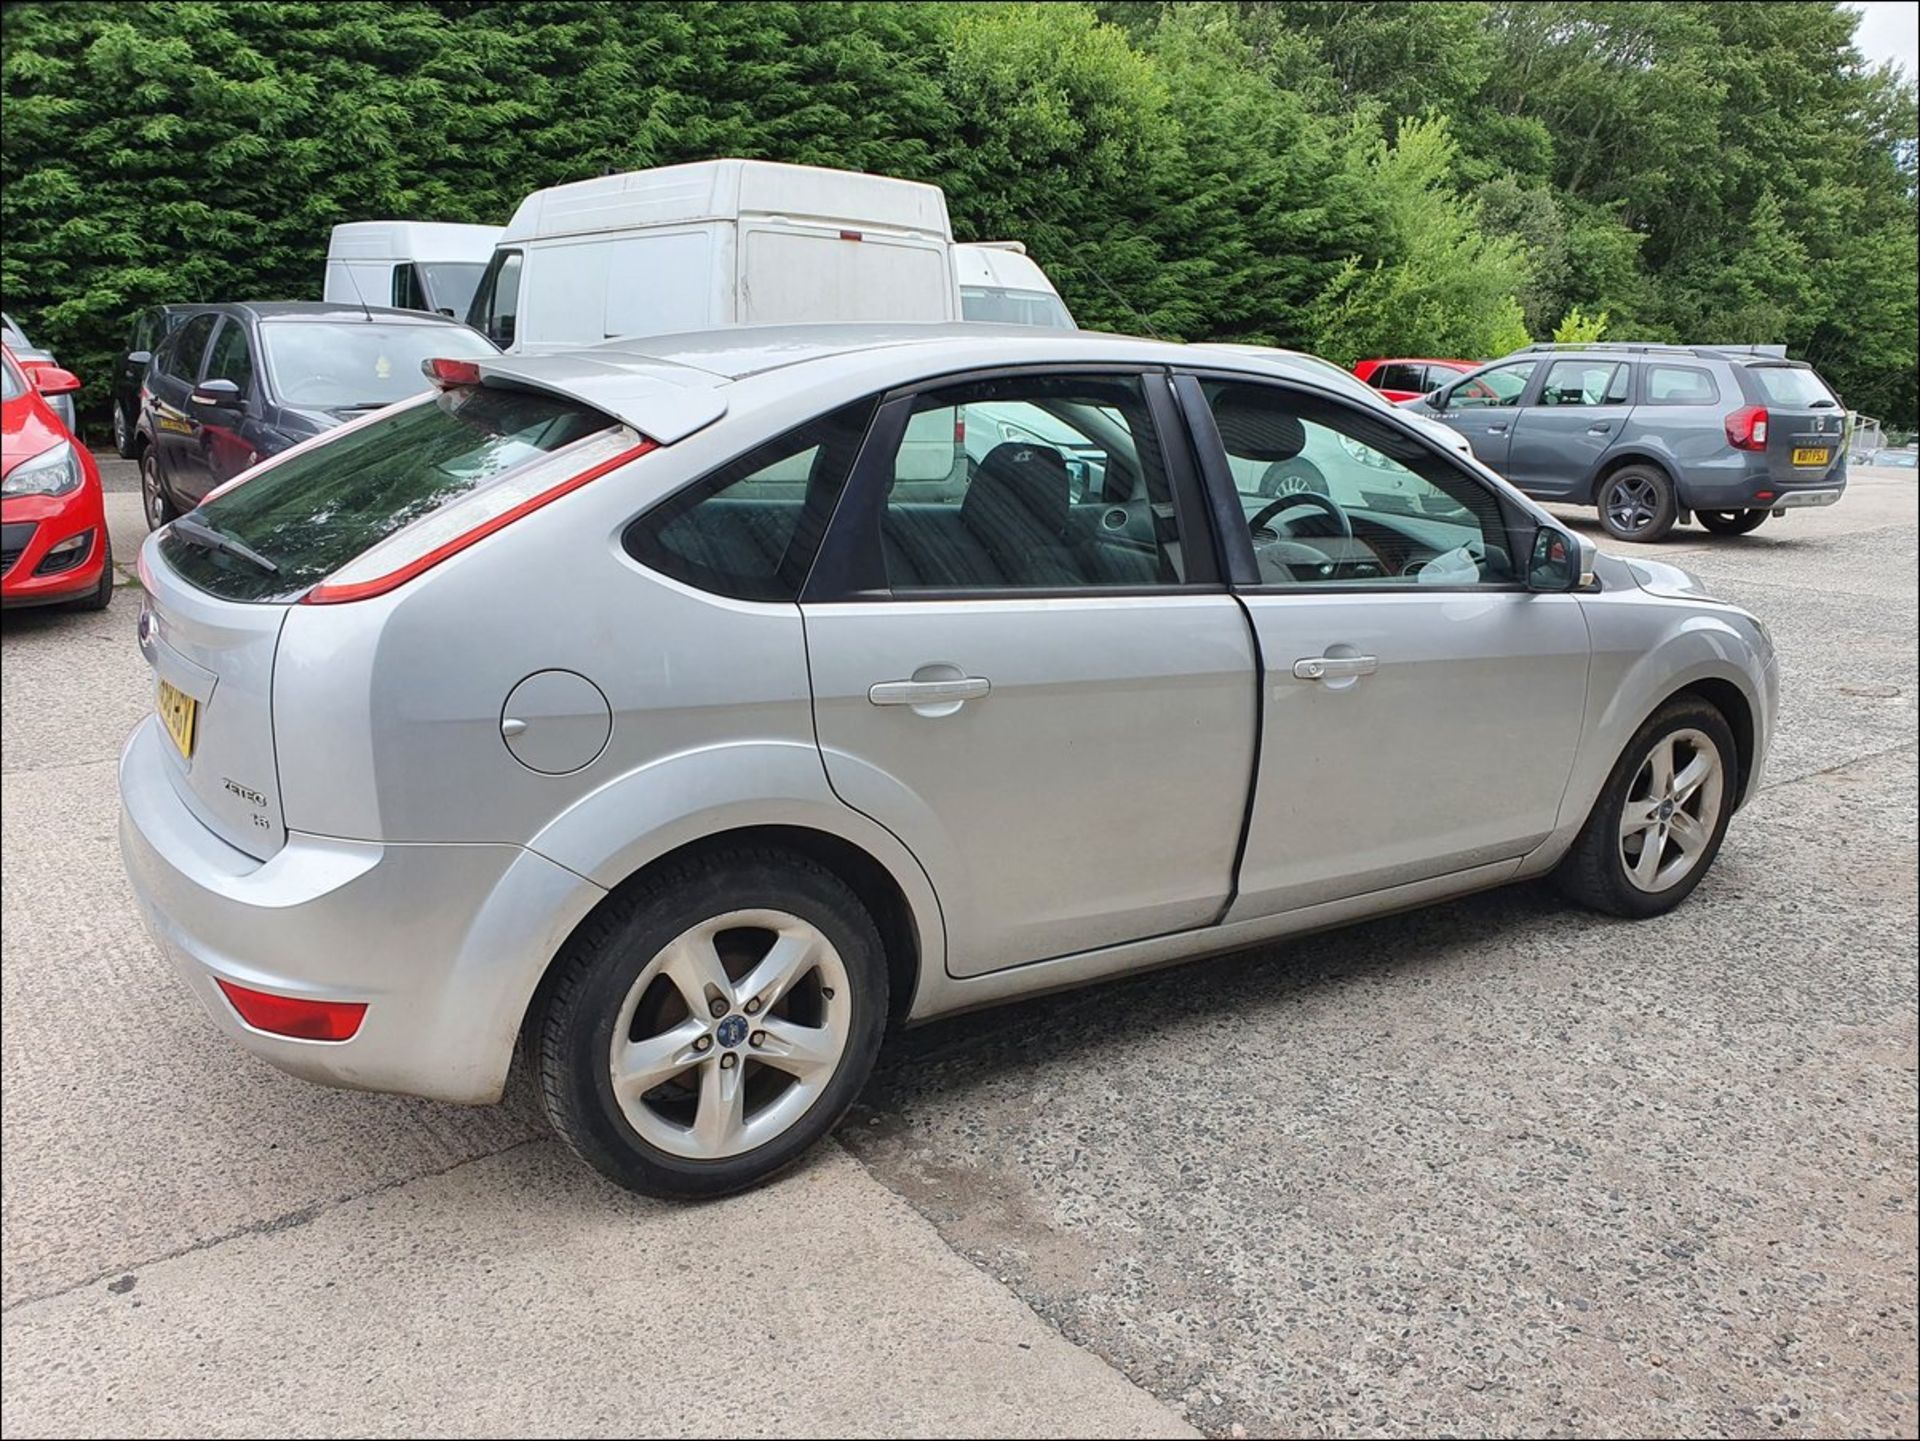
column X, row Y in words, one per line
column 312, row 513
column 1792, row 385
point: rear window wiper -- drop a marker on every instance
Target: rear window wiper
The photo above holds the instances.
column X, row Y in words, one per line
column 1817, row 404
column 200, row 533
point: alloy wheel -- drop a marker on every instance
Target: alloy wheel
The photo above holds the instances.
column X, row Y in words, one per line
column 150, row 494
column 1672, row 810
column 1632, row 504
column 119, row 428
column 730, row 1034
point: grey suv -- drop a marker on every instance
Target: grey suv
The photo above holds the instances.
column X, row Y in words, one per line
column 1651, row 433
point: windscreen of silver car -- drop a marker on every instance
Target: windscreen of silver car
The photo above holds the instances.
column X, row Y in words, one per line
column 352, row 365
column 312, row 513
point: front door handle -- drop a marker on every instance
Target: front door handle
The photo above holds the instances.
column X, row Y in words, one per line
column 1335, row 667
column 1500, row 429
column 1601, row 428
column 929, row 692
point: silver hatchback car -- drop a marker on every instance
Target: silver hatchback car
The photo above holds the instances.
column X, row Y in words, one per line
column 639, row 708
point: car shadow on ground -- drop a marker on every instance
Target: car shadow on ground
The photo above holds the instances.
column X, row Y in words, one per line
column 950, row 1055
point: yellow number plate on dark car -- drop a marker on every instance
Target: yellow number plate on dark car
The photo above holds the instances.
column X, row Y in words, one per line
column 1811, row 457
column 178, row 711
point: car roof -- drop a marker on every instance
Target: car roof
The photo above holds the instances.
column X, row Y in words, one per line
column 319, row 310
column 668, row 386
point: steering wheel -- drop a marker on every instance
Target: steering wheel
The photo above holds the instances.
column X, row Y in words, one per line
column 1302, row 497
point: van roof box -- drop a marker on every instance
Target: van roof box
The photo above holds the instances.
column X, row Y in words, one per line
column 709, row 190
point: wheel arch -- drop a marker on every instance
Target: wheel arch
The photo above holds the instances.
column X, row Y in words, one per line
column 863, row 873
column 1732, row 702
column 1616, row 461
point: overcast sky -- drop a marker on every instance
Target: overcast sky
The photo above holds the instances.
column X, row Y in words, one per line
column 1890, row 30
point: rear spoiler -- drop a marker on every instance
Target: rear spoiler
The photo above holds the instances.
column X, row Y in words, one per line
column 663, row 402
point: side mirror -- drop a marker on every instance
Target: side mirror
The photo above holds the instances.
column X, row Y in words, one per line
column 139, row 357
column 221, row 394
column 52, row 380
column 1559, row 561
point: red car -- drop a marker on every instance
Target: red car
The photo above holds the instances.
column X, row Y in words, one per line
column 53, row 521
column 1398, row 380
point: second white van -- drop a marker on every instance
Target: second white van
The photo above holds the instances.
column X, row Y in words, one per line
column 408, row 264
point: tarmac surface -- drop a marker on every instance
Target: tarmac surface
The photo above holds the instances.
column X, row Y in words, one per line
column 1496, row 1167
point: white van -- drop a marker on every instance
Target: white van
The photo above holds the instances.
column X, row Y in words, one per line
column 1001, row 284
column 410, row 264
column 718, row 242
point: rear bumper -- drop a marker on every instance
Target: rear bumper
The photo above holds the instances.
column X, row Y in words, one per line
column 1759, row 491
column 444, row 943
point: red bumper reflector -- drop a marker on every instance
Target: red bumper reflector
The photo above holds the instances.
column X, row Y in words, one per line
column 285, row 1016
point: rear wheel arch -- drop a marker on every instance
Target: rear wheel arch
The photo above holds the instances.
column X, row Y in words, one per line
column 868, row 878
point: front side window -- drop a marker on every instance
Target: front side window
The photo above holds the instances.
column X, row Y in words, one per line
column 183, row 357
column 311, row 514
column 406, row 293
column 1503, row 386
column 1584, row 382
column 496, row 303
column 1333, row 495
column 447, row 286
column 1398, row 376
column 1045, row 483
column 232, row 358
column 751, row 529
column 357, row 365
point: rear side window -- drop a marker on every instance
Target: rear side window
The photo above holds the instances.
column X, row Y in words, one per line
column 1681, row 385
column 183, row 356
column 1792, row 385
column 752, row 528
column 1399, row 376
column 310, row 514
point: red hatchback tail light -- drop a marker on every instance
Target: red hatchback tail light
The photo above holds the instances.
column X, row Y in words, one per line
column 1747, row 428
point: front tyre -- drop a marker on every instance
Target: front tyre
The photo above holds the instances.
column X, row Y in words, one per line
column 706, row 1028
column 1731, row 522
column 123, row 434
column 1659, row 821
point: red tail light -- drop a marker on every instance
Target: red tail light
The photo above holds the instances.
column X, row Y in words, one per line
column 443, row 372
column 1747, row 428
column 959, row 426
column 286, row 1016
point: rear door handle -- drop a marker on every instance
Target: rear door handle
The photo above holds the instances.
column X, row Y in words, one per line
column 1335, row 667
column 1500, row 429
column 1601, row 429
column 928, row 692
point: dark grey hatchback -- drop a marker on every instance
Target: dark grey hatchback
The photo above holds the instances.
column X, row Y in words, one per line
column 236, row 383
column 1653, row 434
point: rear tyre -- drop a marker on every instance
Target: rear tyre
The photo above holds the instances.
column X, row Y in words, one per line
column 123, row 434
column 1637, row 503
column 1731, row 522
column 1660, row 818
column 155, row 503
column 705, row 1028
column 101, row 596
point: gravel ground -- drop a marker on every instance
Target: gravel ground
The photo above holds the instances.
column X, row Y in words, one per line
column 1498, row 1167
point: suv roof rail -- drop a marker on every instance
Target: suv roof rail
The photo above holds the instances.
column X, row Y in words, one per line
column 1655, row 347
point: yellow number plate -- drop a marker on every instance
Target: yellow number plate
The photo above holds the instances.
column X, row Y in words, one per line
column 178, row 710
column 1811, row 457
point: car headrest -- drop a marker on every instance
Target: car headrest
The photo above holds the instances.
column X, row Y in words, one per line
column 1253, row 427
column 1020, row 484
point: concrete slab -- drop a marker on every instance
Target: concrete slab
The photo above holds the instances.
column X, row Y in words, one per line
column 520, row 1295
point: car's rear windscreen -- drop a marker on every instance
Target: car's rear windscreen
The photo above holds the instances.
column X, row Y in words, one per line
column 311, row 513
column 1792, row 385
